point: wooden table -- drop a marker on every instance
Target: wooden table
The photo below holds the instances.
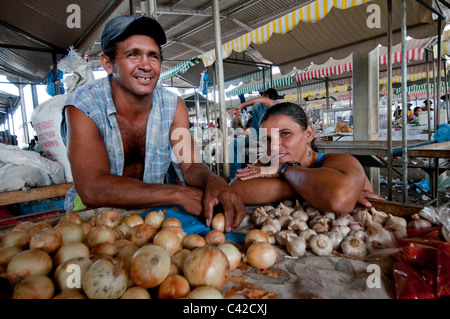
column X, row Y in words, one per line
column 436, row 151
column 13, row 197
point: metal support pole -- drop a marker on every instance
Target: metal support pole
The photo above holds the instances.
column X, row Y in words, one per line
column 55, row 73
column 404, row 103
column 24, row 114
column 437, row 109
column 221, row 86
column 389, row 102
column 34, row 95
column 427, row 66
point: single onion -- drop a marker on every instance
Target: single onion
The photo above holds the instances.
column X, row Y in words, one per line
column 22, row 225
column 122, row 229
column 136, row 292
column 218, row 222
column 205, row 292
column 87, row 227
column 111, row 218
column 141, row 234
column 119, row 243
column 47, row 239
column 64, row 272
column 206, row 266
column 76, row 218
column 255, row 235
column 18, row 238
column 69, row 294
column 7, row 253
column 70, row 231
column 172, row 221
column 29, row 263
column 261, row 255
column 178, row 230
column 72, row 250
column 179, row 258
column 173, row 269
column 125, row 253
column 169, row 240
column 149, row 266
column 37, row 227
column 233, row 254
column 34, row 287
column 192, row 241
column 174, row 287
column 104, row 249
column 132, row 219
column 105, row 279
column 100, row 234
column 155, row 218
column 92, row 220
column 215, row 237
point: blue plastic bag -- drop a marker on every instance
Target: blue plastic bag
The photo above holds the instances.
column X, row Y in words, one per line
column 51, row 90
column 192, row 224
column 424, row 184
column 442, row 134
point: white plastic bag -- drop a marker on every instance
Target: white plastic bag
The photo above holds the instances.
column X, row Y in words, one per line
column 46, row 119
column 438, row 216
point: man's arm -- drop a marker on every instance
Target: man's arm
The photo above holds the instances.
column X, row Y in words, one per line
column 264, row 100
column 97, row 187
column 197, row 174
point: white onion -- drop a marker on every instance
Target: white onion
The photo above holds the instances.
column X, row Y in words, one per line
column 63, row 272
column 136, row 292
column 141, row 234
column 47, row 239
column 7, row 253
column 111, row 218
column 179, row 258
column 70, row 231
column 37, row 227
column 233, row 254
column 29, row 263
column 155, row 218
column 149, row 266
column 23, row 225
column 215, row 237
column 171, row 221
column 192, row 241
column 206, row 266
column 174, row 287
column 104, row 249
column 105, row 279
column 255, row 235
column 72, row 250
column 100, row 234
column 76, row 218
column 18, row 238
column 132, row 220
column 34, row 287
column 205, row 292
column 261, row 255
column 178, row 230
column 218, row 222
column 122, row 229
column 125, row 253
column 169, row 240
column 86, row 227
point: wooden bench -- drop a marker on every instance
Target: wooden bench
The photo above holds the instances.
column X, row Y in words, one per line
column 14, row 197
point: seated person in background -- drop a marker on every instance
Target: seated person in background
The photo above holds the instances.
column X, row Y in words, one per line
column 329, row 182
column 414, row 117
column 121, row 130
column 259, row 106
column 426, row 104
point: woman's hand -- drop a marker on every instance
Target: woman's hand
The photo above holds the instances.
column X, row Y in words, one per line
column 253, row 171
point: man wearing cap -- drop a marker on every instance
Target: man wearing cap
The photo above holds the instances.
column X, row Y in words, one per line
column 120, row 132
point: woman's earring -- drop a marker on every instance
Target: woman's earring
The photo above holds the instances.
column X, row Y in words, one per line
column 309, row 150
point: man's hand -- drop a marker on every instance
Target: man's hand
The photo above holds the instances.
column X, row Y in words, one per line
column 253, row 171
column 235, row 111
column 192, row 200
column 367, row 194
column 218, row 191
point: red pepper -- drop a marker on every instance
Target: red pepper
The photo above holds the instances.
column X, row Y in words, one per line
column 423, row 241
column 410, row 284
column 419, row 255
column 434, row 235
column 443, row 271
column 430, row 276
column 419, row 232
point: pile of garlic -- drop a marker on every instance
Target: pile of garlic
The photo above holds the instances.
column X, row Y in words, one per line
column 298, row 227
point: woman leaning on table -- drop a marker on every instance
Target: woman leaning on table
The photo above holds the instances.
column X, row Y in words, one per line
column 330, row 182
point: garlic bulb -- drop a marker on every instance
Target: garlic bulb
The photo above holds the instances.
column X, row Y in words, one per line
column 281, row 236
column 285, row 210
column 259, row 216
column 295, row 246
column 271, row 226
column 360, row 234
column 392, row 221
column 344, row 230
column 378, row 216
column 321, row 245
column 307, row 235
column 274, row 213
column 297, row 225
column 321, row 226
column 330, row 215
column 284, row 221
column 378, row 240
column 312, row 212
column 418, row 222
column 336, row 237
column 354, row 247
column 300, row 214
column 344, row 219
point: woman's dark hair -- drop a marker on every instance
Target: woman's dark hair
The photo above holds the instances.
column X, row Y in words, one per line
column 294, row 111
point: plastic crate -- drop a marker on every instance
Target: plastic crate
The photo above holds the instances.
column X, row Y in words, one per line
column 43, row 207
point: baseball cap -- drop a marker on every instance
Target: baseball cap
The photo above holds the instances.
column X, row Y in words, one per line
column 131, row 24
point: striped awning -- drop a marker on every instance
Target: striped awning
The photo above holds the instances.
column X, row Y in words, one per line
column 179, row 68
column 310, row 13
